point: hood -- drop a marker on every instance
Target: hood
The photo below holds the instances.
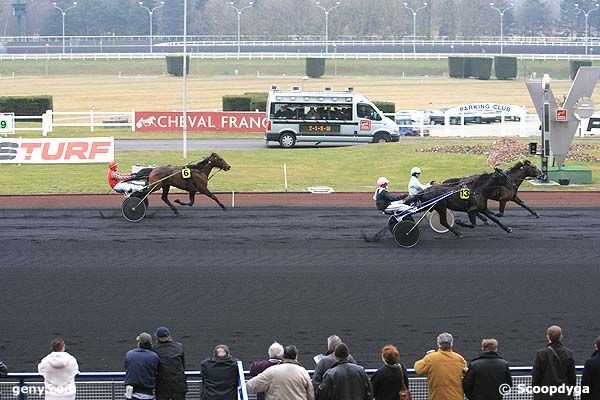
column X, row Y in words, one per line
column 58, row 359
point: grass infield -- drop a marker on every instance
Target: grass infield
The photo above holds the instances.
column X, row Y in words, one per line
column 345, row 169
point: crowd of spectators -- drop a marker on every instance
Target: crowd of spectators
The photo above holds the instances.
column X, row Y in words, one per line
column 157, row 371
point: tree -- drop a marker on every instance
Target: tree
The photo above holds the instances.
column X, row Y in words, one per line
column 533, row 17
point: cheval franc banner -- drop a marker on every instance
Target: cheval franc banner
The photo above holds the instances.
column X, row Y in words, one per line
column 201, row 121
column 57, row 151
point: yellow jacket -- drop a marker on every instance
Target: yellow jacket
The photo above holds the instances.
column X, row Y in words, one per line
column 444, row 370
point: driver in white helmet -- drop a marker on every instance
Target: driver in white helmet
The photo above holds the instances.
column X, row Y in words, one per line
column 414, row 185
column 384, row 200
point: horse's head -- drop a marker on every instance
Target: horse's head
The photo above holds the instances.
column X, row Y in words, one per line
column 531, row 170
column 216, row 161
column 501, row 178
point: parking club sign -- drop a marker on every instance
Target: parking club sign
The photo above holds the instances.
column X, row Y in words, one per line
column 7, row 124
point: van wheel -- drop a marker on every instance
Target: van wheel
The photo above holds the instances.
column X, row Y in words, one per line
column 453, row 121
column 287, row 140
column 477, row 120
column 382, row 138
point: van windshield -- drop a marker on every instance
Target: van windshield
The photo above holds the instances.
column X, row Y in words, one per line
column 304, row 111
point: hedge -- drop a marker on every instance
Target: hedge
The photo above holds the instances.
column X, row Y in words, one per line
column 259, row 100
column 505, row 67
column 456, row 67
column 26, row 105
column 237, row 103
column 575, row 64
column 315, row 67
column 385, row 106
column 175, row 65
column 480, row 67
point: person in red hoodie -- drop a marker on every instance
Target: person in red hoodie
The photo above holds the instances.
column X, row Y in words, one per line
column 122, row 183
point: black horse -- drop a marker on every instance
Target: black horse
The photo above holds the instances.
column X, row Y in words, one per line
column 472, row 199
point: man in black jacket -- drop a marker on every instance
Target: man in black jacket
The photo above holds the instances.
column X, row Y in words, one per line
column 219, row 375
column 327, row 361
column 171, row 381
column 591, row 374
column 486, row 373
column 553, row 366
column 345, row 381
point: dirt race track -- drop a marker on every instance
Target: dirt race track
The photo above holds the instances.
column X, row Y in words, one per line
column 296, row 274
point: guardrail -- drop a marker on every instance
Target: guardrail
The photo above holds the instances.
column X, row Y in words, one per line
column 109, row 385
column 282, row 56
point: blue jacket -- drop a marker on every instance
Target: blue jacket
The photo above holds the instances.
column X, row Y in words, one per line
column 141, row 367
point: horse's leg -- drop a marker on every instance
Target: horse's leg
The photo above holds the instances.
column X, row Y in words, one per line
column 165, row 198
column 520, row 202
column 444, row 221
column 208, row 193
column 491, row 216
column 472, row 220
column 192, row 192
column 483, row 219
column 501, row 208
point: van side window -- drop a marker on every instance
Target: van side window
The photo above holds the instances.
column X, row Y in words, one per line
column 366, row 111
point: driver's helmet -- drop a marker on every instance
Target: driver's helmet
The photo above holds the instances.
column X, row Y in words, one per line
column 382, row 181
column 415, row 170
column 113, row 165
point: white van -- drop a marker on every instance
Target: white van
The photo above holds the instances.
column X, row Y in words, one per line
column 327, row 116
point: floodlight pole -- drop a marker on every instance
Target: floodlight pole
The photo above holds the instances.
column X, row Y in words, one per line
column 501, row 12
column 151, row 13
column 64, row 14
column 239, row 22
column 414, row 13
column 327, row 11
column 185, row 73
column 587, row 14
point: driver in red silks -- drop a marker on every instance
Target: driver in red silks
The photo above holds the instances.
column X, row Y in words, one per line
column 122, row 183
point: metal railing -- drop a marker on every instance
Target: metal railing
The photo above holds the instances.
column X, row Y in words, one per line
column 282, row 56
column 109, row 385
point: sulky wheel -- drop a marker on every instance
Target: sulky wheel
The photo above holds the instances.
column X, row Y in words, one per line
column 435, row 224
column 141, row 195
column 393, row 221
column 406, row 234
column 133, row 209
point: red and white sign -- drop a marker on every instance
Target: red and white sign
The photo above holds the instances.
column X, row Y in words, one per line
column 561, row 114
column 365, row 124
column 57, row 151
column 202, row 121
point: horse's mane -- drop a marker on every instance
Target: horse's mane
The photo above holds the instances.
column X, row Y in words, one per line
column 515, row 167
column 200, row 164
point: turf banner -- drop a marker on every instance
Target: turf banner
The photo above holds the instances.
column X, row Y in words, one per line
column 200, row 121
column 57, row 151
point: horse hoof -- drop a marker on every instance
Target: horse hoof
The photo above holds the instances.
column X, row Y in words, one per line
column 509, row 230
column 178, row 201
column 500, row 215
column 176, row 212
column 459, row 235
column 537, row 215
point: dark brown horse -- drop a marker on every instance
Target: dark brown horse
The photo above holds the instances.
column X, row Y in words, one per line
column 480, row 187
column 518, row 173
column 165, row 177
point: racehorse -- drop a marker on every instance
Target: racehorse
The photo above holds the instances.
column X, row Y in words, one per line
column 199, row 175
column 472, row 202
column 518, row 173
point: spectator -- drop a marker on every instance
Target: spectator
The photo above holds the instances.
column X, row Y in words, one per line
column 275, row 355
column 486, row 373
column 553, row 365
column 59, row 369
column 141, row 367
column 389, row 380
column 171, row 382
column 219, row 375
column 444, row 370
column 345, row 380
column 3, row 370
column 591, row 374
column 288, row 380
column 327, row 362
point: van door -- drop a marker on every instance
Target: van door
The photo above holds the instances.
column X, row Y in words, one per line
column 369, row 122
